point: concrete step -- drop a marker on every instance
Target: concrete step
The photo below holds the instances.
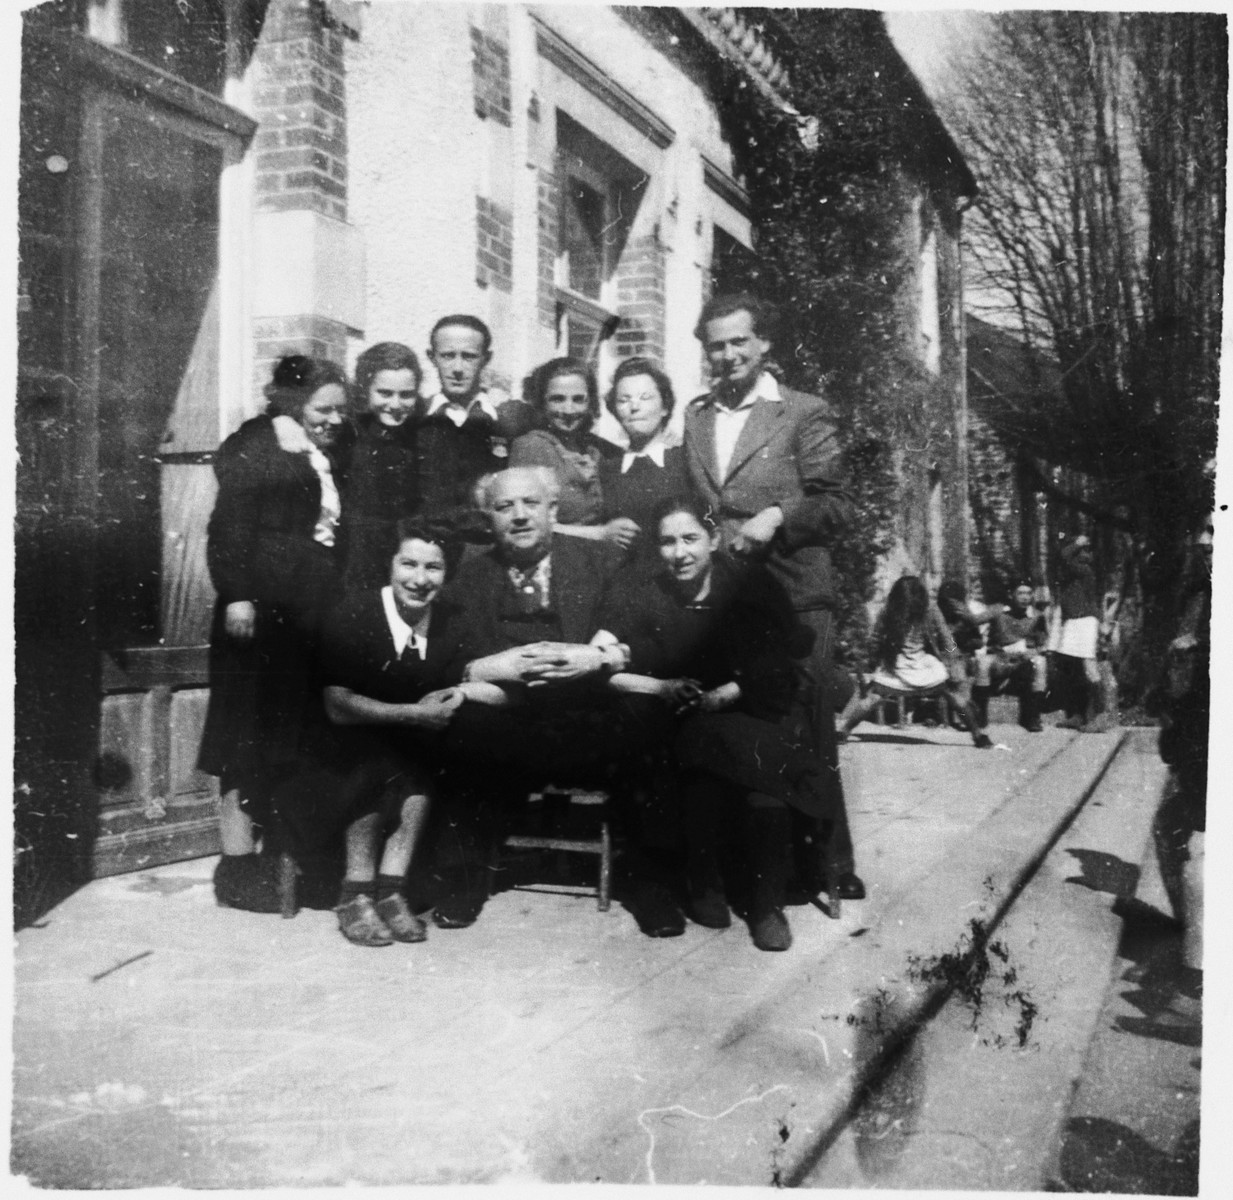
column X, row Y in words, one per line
column 978, row 1098
column 777, row 1086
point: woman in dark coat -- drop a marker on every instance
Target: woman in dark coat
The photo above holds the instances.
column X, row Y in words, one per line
column 718, row 644
column 273, row 556
column 636, row 483
column 382, row 476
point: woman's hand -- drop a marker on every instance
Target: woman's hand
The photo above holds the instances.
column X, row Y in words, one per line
column 717, row 699
column 621, row 531
column 682, row 694
column 240, row 620
column 435, row 710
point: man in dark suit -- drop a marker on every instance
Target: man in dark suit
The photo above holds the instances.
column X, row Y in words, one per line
column 464, row 430
column 530, row 607
column 767, row 460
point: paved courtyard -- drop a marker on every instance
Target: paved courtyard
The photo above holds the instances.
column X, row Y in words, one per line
column 162, row 1040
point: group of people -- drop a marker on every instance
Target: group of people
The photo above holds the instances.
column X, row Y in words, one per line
column 428, row 606
column 963, row 652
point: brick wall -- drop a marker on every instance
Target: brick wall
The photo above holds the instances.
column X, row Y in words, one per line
column 549, row 239
column 490, row 75
column 494, row 245
column 300, row 101
column 640, row 299
column 307, row 334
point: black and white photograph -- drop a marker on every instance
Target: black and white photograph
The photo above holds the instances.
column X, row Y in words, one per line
column 690, row 530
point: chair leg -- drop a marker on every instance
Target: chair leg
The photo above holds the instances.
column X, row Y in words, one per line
column 605, row 866
column 287, row 889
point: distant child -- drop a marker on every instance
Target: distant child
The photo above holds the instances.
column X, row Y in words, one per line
column 916, row 655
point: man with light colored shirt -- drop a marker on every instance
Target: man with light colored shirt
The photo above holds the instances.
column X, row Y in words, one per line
column 463, row 432
column 767, row 460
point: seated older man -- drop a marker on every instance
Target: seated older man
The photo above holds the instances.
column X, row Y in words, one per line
column 529, row 613
column 1017, row 637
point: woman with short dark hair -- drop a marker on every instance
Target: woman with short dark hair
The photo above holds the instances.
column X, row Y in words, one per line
column 650, row 471
column 565, row 396
column 715, row 641
column 391, row 663
column 273, row 555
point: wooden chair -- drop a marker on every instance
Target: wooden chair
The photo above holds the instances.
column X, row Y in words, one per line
column 596, row 803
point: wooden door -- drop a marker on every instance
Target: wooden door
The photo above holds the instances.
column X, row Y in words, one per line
column 149, row 330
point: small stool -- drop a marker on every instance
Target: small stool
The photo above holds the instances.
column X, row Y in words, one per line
column 602, row 845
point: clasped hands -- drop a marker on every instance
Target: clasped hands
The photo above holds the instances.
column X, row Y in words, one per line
column 688, row 695
column 540, row 663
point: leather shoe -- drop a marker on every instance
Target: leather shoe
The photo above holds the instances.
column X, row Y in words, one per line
column 849, row 887
column 359, row 922
column 248, row 882
column 710, row 909
column 982, row 741
column 771, row 930
column 457, row 911
column 655, row 911
column 400, row 920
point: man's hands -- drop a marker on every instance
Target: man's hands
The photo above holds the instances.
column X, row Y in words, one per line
column 540, row 663
column 240, row 620
column 758, row 532
column 556, row 662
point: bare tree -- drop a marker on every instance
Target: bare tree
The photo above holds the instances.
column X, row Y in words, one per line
column 1099, row 143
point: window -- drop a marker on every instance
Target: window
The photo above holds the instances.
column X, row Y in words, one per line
column 587, row 261
column 930, row 320
column 186, row 38
column 599, row 195
column 733, row 265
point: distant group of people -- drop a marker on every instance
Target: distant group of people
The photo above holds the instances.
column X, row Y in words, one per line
column 1045, row 653
column 428, row 606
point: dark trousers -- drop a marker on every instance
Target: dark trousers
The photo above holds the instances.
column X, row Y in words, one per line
column 838, row 855
column 495, row 756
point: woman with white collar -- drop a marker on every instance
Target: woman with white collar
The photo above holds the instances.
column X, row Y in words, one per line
column 650, row 472
column 274, row 560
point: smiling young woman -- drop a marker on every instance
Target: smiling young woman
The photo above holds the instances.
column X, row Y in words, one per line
column 383, row 479
column 565, row 396
column 273, row 555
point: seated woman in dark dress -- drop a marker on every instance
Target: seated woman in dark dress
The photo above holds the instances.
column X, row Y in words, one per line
column 716, row 642
column 382, row 479
column 391, row 664
column 636, row 483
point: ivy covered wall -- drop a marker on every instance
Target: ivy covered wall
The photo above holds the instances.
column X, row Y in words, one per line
column 845, row 191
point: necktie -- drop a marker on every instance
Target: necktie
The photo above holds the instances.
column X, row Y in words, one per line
column 528, row 590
